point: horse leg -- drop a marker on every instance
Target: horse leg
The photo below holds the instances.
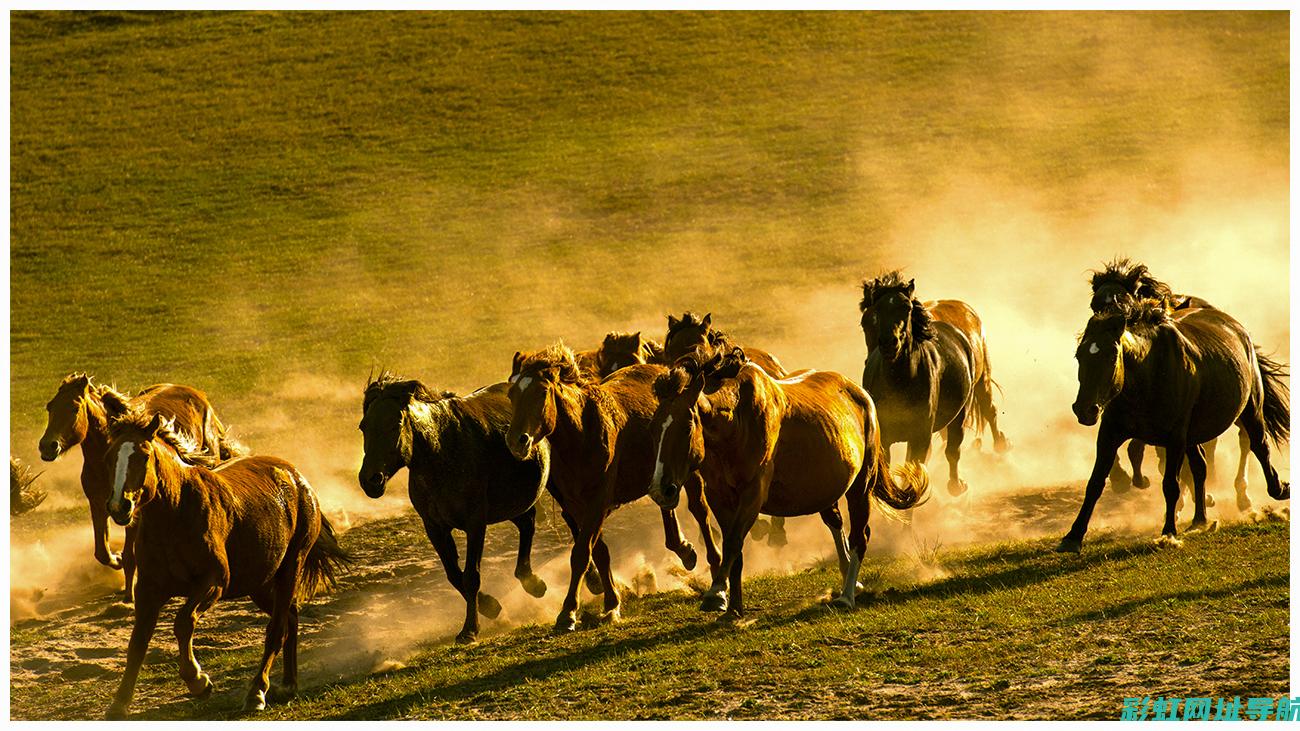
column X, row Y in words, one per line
column 1243, row 441
column 590, row 576
column 859, row 534
column 776, row 536
column 734, row 559
column 1136, row 452
column 445, row 546
column 674, row 540
column 952, row 450
column 128, row 563
column 1196, row 463
column 147, row 607
column 600, row 557
column 289, row 678
column 579, row 560
column 715, row 599
column 99, row 524
column 1107, row 444
column 1174, row 454
column 699, row 507
column 1254, row 424
column 835, row 522
column 475, row 601
column 196, row 681
column 526, row 522
column 282, row 598
column 984, row 402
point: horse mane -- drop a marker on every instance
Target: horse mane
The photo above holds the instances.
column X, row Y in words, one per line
column 1133, row 277
column 872, row 289
column 678, row 377
column 688, row 319
column 559, row 357
column 386, row 379
column 186, row 449
column 1147, row 315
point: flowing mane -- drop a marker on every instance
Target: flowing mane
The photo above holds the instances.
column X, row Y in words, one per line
column 558, row 357
column 1133, row 277
column 889, row 282
column 186, row 449
column 388, row 383
column 872, row 289
column 1147, row 316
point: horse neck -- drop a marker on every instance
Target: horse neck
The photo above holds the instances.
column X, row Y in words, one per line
column 428, row 421
column 740, row 408
column 1141, row 364
column 175, row 479
column 94, row 446
column 572, row 403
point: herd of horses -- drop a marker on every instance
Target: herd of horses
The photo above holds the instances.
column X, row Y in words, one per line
column 699, row 414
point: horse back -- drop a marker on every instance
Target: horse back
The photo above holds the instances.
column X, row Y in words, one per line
column 186, row 406
column 962, row 318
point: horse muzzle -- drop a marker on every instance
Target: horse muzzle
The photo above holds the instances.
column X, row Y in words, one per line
column 521, row 446
column 665, row 495
column 50, row 450
column 121, row 512
column 372, row 484
column 1087, row 414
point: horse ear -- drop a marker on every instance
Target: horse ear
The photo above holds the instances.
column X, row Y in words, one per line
column 708, row 318
column 114, row 406
column 868, row 296
column 911, row 287
column 514, row 365
column 81, row 381
column 636, row 336
column 673, row 322
column 155, row 424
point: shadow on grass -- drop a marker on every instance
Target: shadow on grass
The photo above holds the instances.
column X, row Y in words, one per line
column 1281, row 581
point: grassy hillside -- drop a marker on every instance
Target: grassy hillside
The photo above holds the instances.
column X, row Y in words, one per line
column 218, row 198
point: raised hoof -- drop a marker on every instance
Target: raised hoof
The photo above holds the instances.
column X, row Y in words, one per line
column 957, row 487
column 488, row 606
column 565, row 624
column 256, row 701
column 592, row 580
column 1282, row 494
column 200, row 687
column 114, row 561
column 1069, row 545
column 467, row 637
column 534, row 585
column 1168, row 541
column 686, row 553
column 1209, row 500
column 777, row 538
column 714, row 602
column 115, row 713
column 759, row 529
column 1001, row 444
column 1141, row 483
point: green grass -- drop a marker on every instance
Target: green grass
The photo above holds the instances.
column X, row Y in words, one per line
column 1013, row 631
column 217, row 198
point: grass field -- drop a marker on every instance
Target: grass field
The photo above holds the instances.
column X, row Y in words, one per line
column 270, row 205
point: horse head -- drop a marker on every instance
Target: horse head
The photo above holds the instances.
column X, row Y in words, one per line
column 67, row 420
column 132, row 460
column 534, row 380
column 620, row 350
column 686, row 335
column 386, row 428
column 679, row 449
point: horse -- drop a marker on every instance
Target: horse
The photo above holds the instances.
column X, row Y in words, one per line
column 961, row 316
column 1122, row 282
column 926, row 374
column 79, row 414
column 250, row 527
column 618, row 350
column 780, row 447
column 694, row 334
column 461, row 476
column 600, row 453
column 1175, row 382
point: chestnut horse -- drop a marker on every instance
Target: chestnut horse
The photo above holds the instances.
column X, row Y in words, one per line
column 1175, row 383
column 250, row 527
column 79, row 414
column 779, row 447
column 926, row 374
column 1122, row 283
column 696, row 335
column 461, row 476
column 600, row 454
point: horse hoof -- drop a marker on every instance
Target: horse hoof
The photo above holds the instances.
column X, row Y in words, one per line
column 714, row 602
column 759, row 530
column 200, row 687
column 611, row 616
column 488, row 606
column 593, row 581
column 731, row 616
column 1168, row 541
column 840, row 602
column 467, row 637
column 1209, row 500
column 1070, row 545
column 687, row 555
column 1243, row 503
column 977, row 445
column 114, row 561
column 957, row 487
column 256, row 701
column 565, row 624
column 282, row 693
column 1001, row 444
column 534, row 585
column 1283, row 492
column 777, row 539
column 1141, row 483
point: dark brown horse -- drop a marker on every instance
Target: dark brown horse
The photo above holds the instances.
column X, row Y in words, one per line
column 963, row 318
column 462, row 476
column 1122, row 283
column 783, row 448
column 79, row 414
column 248, row 528
column 601, row 451
column 1175, row 383
column 925, row 374
column 696, row 335
column 618, row 350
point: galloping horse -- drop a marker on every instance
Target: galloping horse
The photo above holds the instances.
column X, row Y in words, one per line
column 600, row 454
column 925, row 374
column 693, row 334
column 79, row 413
column 1175, row 383
column 250, row 527
column 462, row 476
column 957, row 314
column 782, row 448
column 1122, row 283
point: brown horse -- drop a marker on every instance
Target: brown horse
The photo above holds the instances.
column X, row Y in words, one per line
column 1122, row 283
column 618, row 350
column 957, row 314
column 79, row 414
column 696, row 335
column 462, row 476
column 1175, row 383
column 926, row 374
column 783, row 448
column 250, row 527
column 600, row 454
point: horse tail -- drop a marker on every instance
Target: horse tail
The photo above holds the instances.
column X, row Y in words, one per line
column 906, row 486
column 1277, row 398
column 324, row 562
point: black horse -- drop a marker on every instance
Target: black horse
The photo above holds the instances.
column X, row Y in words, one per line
column 1122, row 282
column 1175, row 380
column 462, row 476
